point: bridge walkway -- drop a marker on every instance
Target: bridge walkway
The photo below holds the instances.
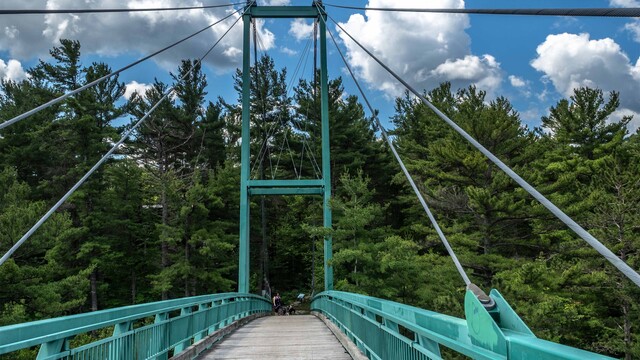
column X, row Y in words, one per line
column 280, row 338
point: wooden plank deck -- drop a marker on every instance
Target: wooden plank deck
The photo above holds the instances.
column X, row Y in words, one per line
column 280, row 337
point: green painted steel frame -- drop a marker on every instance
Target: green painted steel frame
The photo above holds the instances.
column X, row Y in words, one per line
column 198, row 316
column 284, row 12
column 250, row 187
column 245, row 155
column 286, row 187
column 288, row 191
column 384, row 329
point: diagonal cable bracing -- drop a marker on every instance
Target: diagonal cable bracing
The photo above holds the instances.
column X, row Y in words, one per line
column 91, row 11
column 260, row 99
column 596, row 12
column 124, row 137
column 305, row 131
column 300, row 68
column 264, row 148
column 432, row 218
column 590, row 239
column 97, row 81
column 293, row 162
column 315, row 86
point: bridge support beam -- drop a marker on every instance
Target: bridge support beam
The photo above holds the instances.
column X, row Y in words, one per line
column 326, row 163
column 243, row 264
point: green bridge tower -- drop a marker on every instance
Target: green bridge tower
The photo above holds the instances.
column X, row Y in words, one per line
column 250, row 187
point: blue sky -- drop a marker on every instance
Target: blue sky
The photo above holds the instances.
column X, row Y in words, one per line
column 534, row 61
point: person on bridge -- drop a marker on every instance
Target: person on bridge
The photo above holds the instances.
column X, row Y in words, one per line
column 277, row 302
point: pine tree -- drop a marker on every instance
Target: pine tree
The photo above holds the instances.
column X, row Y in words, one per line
column 355, row 236
column 26, row 145
column 158, row 140
column 467, row 191
column 581, row 122
column 566, row 294
column 126, row 227
column 34, row 283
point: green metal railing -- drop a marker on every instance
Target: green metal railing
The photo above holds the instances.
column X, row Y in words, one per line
column 146, row 331
column 388, row 330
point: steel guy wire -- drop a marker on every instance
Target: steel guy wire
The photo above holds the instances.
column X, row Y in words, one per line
column 104, row 158
column 432, row 218
column 91, row 11
column 97, row 81
column 585, row 235
column 595, row 12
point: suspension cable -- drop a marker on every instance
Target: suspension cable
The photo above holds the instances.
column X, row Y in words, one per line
column 295, row 168
column 258, row 161
column 299, row 70
column 280, row 156
column 264, row 149
column 305, row 130
column 590, row 239
column 124, row 137
column 259, row 98
column 99, row 80
column 316, row 168
column 600, row 12
column 314, row 68
column 315, row 56
column 432, row 218
column 88, row 11
column 293, row 161
column 301, row 67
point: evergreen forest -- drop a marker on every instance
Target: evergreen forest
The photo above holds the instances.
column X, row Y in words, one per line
column 160, row 219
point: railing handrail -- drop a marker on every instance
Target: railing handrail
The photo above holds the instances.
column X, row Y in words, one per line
column 405, row 315
column 19, row 336
column 433, row 329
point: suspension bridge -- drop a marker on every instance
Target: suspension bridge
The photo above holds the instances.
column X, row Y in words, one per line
column 344, row 325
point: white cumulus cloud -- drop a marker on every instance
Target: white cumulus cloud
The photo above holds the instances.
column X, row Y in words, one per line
column 483, row 71
column 634, row 124
column 634, row 29
column 424, row 49
column 286, row 50
column 133, row 87
column 12, row 70
column 574, row 60
column 516, row 81
column 301, row 29
column 625, row 3
column 275, row 2
column 136, row 33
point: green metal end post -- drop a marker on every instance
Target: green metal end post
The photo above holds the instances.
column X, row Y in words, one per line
column 243, row 265
column 326, row 163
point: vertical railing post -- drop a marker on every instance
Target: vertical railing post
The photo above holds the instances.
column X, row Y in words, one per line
column 52, row 348
column 201, row 322
column 326, row 163
column 184, row 328
column 243, row 265
column 122, row 347
column 160, row 340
